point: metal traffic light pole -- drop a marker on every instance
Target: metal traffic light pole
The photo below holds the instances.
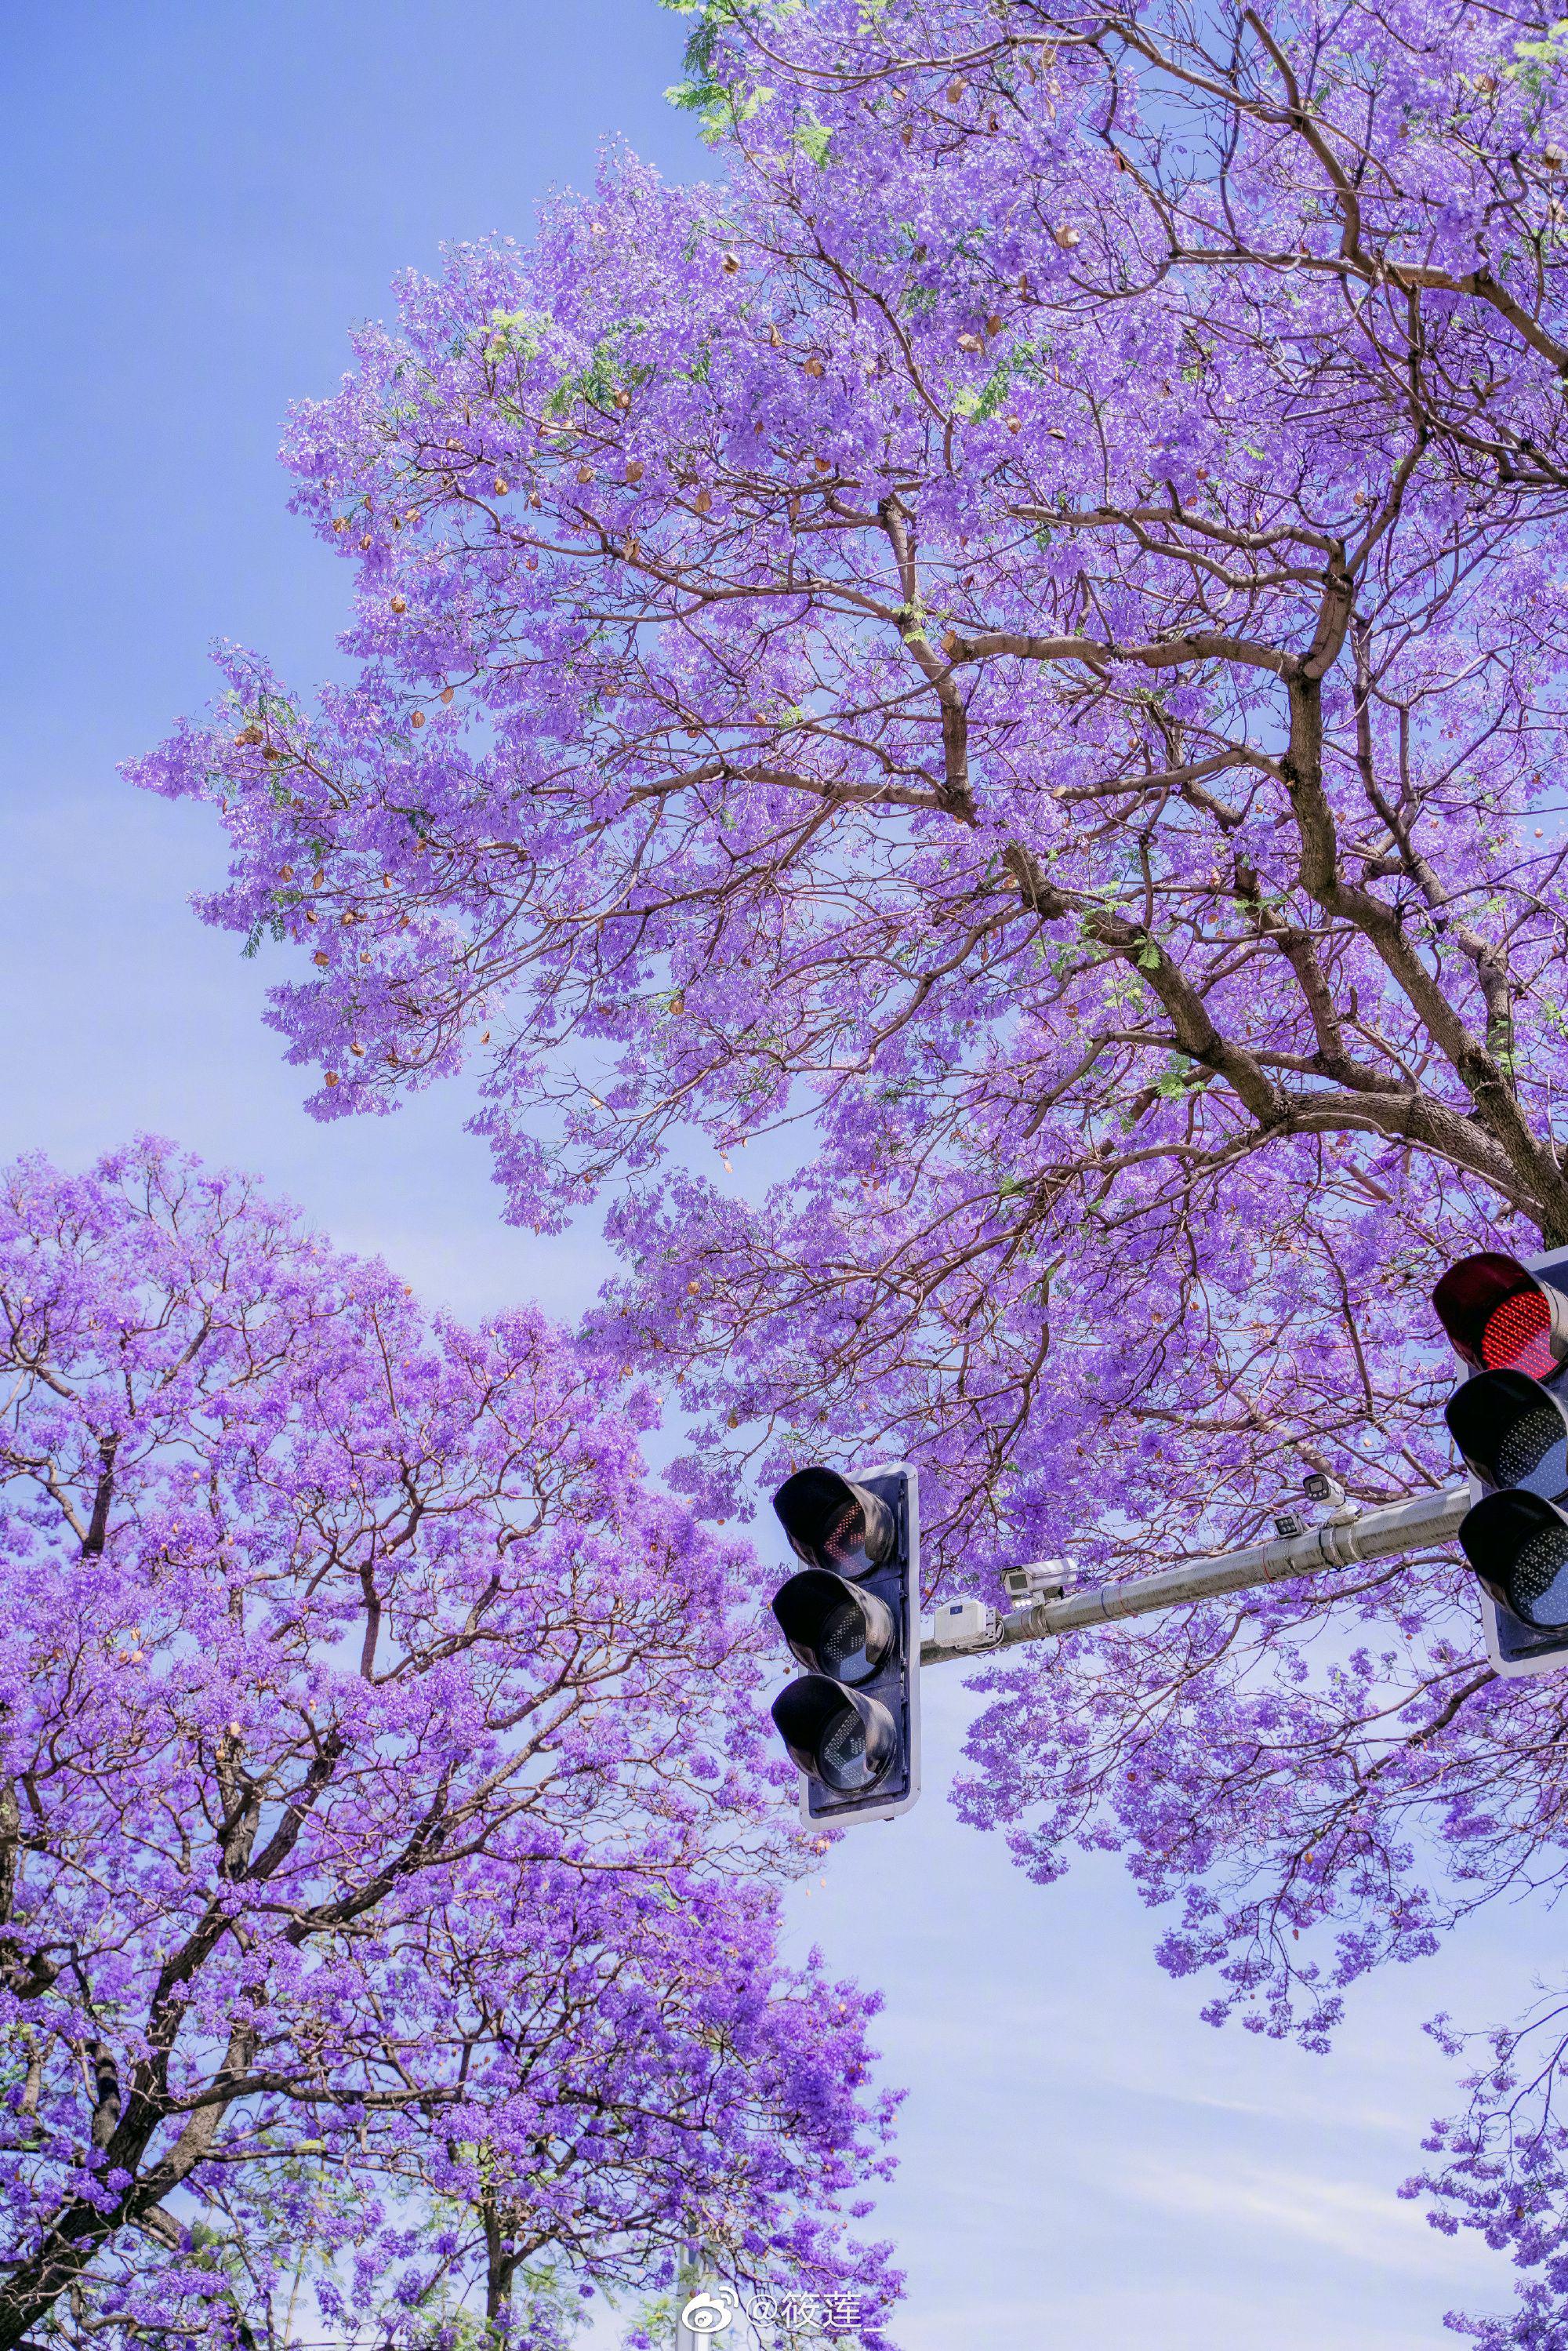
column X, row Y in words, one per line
column 1425, row 1519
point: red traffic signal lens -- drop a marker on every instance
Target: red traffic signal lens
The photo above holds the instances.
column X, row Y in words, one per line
column 1500, row 1318
column 834, row 1524
column 1516, row 1335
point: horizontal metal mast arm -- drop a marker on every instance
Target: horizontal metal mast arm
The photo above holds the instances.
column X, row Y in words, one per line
column 1414, row 1525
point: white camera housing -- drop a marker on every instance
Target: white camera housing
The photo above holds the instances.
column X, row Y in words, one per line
column 1039, row 1579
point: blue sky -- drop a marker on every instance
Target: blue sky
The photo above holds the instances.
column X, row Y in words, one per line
column 199, row 200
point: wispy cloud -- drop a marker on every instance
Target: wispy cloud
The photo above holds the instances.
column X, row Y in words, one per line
column 1355, row 2218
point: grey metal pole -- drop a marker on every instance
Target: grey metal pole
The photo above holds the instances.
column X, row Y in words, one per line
column 1374, row 1534
column 688, row 2281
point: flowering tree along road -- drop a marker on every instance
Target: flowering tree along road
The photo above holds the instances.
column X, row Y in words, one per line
column 1015, row 645
column 384, row 1903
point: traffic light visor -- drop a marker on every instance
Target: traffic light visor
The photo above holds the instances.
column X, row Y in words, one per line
column 1518, row 1546
column 833, row 1733
column 1499, row 1317
column 834, row 1627
column 1513, row 1432
column 833, row 1524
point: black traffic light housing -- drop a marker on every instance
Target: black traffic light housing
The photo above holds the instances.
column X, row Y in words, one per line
column 1508, row 1418
column 851, row 1617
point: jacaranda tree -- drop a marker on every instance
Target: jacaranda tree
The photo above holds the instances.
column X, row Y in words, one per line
column 387, row 1916
column 1011, row 650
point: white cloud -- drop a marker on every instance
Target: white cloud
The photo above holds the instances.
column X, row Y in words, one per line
column 1357, row 2219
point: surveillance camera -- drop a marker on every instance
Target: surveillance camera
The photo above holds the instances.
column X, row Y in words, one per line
column 1038, row 1579
column 1319, row 1487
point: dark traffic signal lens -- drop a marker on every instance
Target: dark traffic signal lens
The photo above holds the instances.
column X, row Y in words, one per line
column 834, row 1626
column 845, row 1740
column 1539, row 1582
column 842, row 1753
column 1518, row 1545
column 840, row 1643
column 1511, row 1432
column 1499, row 1317
column 1534, row 1452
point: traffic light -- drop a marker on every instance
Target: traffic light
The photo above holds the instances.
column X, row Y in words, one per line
column 1508, row 1418
column 851, row 1617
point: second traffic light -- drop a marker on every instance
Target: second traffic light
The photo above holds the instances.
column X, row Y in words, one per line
column 1509, row 1323
column 851, row 1617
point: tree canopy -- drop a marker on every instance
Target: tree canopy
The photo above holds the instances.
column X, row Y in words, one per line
column 388, row 1872
column 1009, row 650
